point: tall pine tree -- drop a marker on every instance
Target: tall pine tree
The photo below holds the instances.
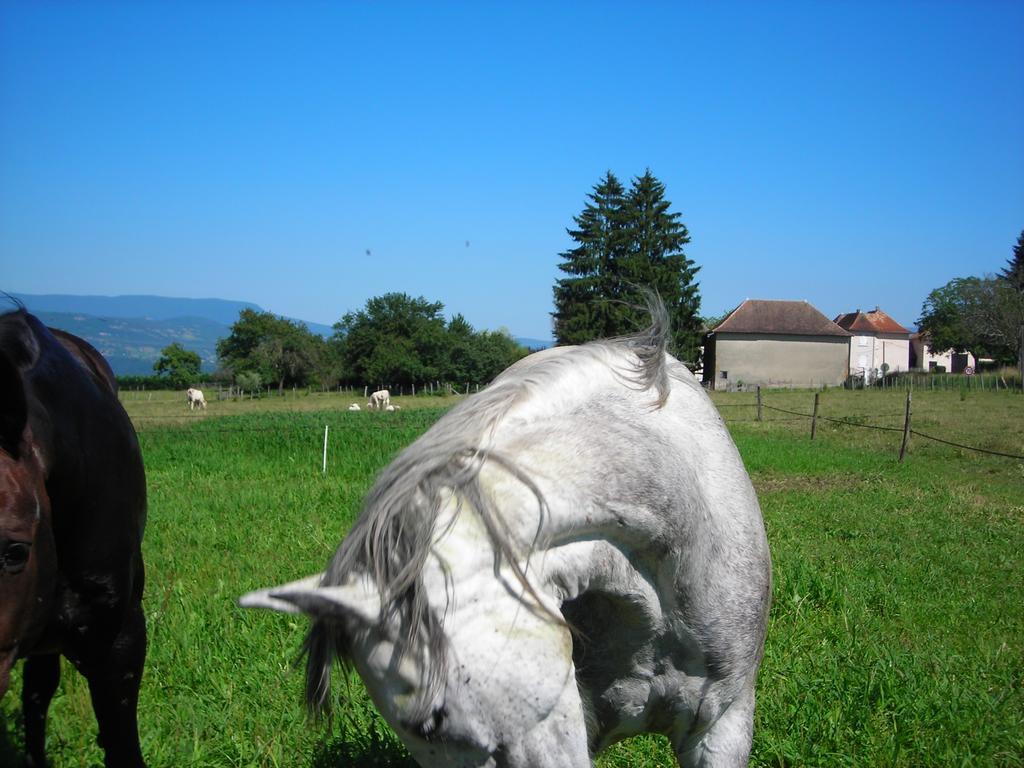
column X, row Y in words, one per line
column 627, row 242
column 655, row 259
column 581, row 310
column 1014, row 275
column 1014, row 271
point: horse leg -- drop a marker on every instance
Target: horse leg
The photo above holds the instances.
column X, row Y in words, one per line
column 726, row 743
column 41, row 675
column 114, row 681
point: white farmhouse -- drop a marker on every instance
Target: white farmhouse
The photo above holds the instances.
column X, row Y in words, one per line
column 877, row 344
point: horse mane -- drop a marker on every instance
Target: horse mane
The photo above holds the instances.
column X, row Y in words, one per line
column 17, row 341
column 392, row 537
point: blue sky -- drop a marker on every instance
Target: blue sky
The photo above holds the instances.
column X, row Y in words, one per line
column 852, row 154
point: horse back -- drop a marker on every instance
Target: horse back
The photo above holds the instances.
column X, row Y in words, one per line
column 88, row 356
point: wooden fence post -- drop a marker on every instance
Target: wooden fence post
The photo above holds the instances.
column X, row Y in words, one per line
column 325, row 449
column 906, row 430
column 814, row 418
column 759, row 402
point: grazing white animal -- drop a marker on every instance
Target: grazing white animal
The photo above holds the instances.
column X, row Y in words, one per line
column 379, row 400
column 390, row 407
column 570, row 557
column 195, row 398
column 354, row 407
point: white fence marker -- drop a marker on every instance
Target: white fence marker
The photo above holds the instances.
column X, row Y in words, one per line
column 325, row 449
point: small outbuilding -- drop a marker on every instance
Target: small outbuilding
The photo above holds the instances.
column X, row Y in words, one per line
column 776, row 344
column 924, row 358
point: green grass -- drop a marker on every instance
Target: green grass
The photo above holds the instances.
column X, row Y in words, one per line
column 896, row 636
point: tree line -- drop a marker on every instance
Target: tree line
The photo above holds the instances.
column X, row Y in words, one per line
column 395, row 340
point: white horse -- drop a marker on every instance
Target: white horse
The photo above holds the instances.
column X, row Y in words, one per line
column 195, row 398
column 571, row 557
column 379, row 400
column 354, row 407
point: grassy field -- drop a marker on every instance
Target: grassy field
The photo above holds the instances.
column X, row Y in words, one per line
column 897, row 630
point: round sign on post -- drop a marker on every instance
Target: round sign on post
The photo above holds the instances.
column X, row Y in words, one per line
column 969, row 370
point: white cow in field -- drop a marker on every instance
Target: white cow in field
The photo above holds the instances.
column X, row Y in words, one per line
column 379, row 400
column 354, row 407
column 195, row 398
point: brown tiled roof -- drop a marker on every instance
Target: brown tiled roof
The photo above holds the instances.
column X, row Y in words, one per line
column 782, row 317
column 875, row 321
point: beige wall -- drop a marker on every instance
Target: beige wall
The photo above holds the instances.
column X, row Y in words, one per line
column 780, row 361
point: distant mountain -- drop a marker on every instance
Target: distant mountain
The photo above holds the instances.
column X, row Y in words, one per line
column 533, row 344
column 147, row 307
column 222, row 311
column 132, row 344
column 131, row 331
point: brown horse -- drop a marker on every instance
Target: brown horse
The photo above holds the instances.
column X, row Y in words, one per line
column 72, row 512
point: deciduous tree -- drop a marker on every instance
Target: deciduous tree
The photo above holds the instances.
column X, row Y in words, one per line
column 179, row 366
column 280, row 350
column 396, row 339
column 943, row 318
column 982, row 316
column 399, row 340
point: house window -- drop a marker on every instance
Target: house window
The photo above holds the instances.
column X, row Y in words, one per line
column 862, row 340
column 725, row 374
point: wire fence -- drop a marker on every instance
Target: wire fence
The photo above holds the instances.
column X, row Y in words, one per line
column 907, row 429
column 235, row 392
column 303, row 422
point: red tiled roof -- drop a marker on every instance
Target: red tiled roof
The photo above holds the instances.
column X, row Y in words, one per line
column 781, row 317
column 875, row 321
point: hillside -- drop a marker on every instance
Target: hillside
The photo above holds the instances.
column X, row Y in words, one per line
column 132, row 344
column 130, row 331
column 221, row 311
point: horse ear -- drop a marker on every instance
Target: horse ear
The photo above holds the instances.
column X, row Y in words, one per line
column 14, row 415
column 359, row 599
